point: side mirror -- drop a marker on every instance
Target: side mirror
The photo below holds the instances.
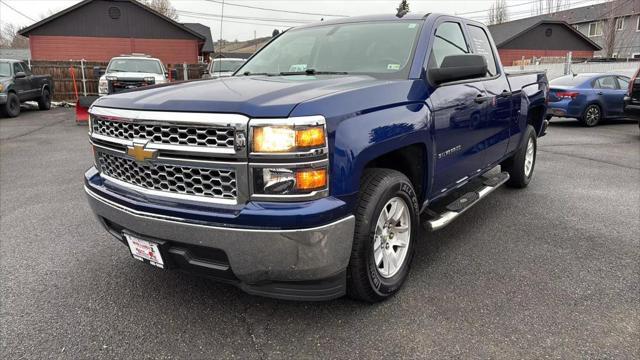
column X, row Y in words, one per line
column 20, row 75
column 458, row 67
column 98, row 71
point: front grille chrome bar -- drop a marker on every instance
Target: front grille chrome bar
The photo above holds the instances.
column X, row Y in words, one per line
column 198, row 134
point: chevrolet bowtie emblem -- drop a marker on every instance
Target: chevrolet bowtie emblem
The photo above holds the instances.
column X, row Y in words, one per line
column 138, row 152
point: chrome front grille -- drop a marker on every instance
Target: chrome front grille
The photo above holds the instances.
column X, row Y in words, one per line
column 186, row 135
column 170, row 178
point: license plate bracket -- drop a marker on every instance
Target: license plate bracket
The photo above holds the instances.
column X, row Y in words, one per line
column 145, row 250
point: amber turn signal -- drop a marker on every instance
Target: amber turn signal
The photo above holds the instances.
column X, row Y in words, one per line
column 311, row 179
column 310, row 137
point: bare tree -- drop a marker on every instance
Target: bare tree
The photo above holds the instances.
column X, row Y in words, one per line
column 9, row 38
column 608, row 24
column 498, row 12
column 164, row 7
column 549, row 6
column 403, row 8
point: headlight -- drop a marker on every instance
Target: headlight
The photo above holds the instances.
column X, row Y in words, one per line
column 103, row 86
column 150, row 79
column 278, row 139
column 1, row 88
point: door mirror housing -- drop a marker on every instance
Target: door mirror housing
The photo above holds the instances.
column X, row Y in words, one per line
column 98, row 72
column 20, row 75
column 458, row 67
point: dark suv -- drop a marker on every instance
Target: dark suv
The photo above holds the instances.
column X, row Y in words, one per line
column 632, row 99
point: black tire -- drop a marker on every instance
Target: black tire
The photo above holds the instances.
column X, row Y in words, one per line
column 44, row 102
column 515, row 165
column 364, row 280
column 592, row 116
column 12, row 107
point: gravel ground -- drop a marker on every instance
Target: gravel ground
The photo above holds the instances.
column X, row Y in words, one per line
column 549, row 271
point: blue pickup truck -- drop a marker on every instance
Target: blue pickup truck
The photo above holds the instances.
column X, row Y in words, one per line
column 308, row 174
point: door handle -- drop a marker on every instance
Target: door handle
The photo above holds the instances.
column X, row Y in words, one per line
column 600, row 93
column 480, row 99
column 506, row 93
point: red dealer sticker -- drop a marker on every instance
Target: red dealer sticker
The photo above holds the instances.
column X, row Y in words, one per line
column 145, row 250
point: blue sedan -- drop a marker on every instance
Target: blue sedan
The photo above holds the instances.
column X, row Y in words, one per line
column 590, row 98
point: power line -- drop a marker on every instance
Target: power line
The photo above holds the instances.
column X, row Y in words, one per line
column 208, row 17
column 14, row 9
column 293, row 21
column 275, row 10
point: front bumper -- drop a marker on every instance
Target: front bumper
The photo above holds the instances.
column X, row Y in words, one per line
column 298, row 264
column 3, row 99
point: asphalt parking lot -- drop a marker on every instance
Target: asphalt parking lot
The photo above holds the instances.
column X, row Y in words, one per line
column 549, row 271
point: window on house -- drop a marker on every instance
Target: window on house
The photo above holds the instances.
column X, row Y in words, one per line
column 619, row 24
column 595, row 28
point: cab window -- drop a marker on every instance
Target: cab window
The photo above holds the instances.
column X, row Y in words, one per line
column 25, row 68
column 482, row 46
column 17, row 68
column 448, row 40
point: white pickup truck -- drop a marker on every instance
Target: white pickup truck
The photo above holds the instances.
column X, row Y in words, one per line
column 131, row 71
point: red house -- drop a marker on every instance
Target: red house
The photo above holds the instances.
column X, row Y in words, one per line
column 97, row 30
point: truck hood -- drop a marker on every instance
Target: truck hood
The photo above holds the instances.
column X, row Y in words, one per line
column 253, row 96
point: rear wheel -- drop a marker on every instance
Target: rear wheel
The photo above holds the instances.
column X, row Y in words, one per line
column 520, row 166
column 386, row 229
column 592, row 116
column 44, row 103
column 12, row 107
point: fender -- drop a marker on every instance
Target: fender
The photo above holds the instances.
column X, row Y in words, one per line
column 361, row 139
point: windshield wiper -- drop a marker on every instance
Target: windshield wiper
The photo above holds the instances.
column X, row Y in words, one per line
column 247, row 73
column 313, row 72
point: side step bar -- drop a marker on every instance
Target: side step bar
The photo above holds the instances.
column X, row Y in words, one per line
column 461, row 204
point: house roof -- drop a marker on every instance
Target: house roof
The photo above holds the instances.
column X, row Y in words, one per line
column 609, row 9
column 28, row 29
column 204, row 31
column 505, row 32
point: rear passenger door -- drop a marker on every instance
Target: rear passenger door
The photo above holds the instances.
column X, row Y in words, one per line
column 459, row 112
column 499, row 106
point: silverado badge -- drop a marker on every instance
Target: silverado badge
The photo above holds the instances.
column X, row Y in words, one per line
column 138, row 151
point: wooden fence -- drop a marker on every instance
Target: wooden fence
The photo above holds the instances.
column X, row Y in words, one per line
column 86, row 79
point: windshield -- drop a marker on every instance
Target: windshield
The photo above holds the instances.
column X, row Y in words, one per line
column 570, row 80
column 227, row 65
column 382, row 49
column 135, row 65
column 5, row 69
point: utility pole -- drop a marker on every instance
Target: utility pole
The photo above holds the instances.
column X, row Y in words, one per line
column 255, row 43
column 220, row 42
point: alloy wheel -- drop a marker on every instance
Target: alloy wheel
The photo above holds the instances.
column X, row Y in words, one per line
column 392, row 237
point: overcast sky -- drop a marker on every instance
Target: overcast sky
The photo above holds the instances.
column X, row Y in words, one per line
column 241, row 22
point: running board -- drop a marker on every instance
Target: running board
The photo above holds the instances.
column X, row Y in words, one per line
column 466, row 201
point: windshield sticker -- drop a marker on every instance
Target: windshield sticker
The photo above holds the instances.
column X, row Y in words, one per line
column 393, row 67
column 298, row 67
column 412, row 26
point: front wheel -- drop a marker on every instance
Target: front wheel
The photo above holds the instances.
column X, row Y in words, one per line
column 520, row 166
column 12, row 106
column 386, row 230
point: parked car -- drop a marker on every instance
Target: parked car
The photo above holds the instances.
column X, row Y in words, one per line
column 306, row 175
column 590, row 98
column 632, row 98
column 18, row 84
column 127, row 72
column 223, row 67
